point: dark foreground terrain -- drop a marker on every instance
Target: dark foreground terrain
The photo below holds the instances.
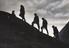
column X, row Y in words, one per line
column 22, row 35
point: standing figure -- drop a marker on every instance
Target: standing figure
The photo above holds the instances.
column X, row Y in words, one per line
column 13, row 16
column 36, row 20
column 22, row 12
column 55, row 32
column 44, row 25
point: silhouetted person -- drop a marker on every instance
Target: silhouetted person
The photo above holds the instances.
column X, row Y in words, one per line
column 55, row 32
column 13, row 12
column 22, row 12
column 13, row 16
column 36, row 20
column 44, row 25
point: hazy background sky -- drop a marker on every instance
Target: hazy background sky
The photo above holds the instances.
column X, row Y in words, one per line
column 56, row 12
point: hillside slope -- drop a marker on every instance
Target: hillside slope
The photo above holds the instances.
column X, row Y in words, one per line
column 22, row 35
column 64, row 34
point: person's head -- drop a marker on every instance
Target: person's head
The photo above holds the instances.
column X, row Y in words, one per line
column 35, row 14
column 21, row 6
column 43, row 19
column 53, row 26
column 13, row 11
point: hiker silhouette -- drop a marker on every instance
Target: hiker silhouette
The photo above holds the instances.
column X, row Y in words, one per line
column 36, row 20
column 55, row 32
column 13, row 16
column 22, row 12
column 44, row 25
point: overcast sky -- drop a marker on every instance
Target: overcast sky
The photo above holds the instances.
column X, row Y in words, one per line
column 55, row 11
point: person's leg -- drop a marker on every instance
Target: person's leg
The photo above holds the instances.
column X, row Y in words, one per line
column 23, row 18
column 38, row 25
column 47, row 30
column 42, row 29
column 33, row 23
